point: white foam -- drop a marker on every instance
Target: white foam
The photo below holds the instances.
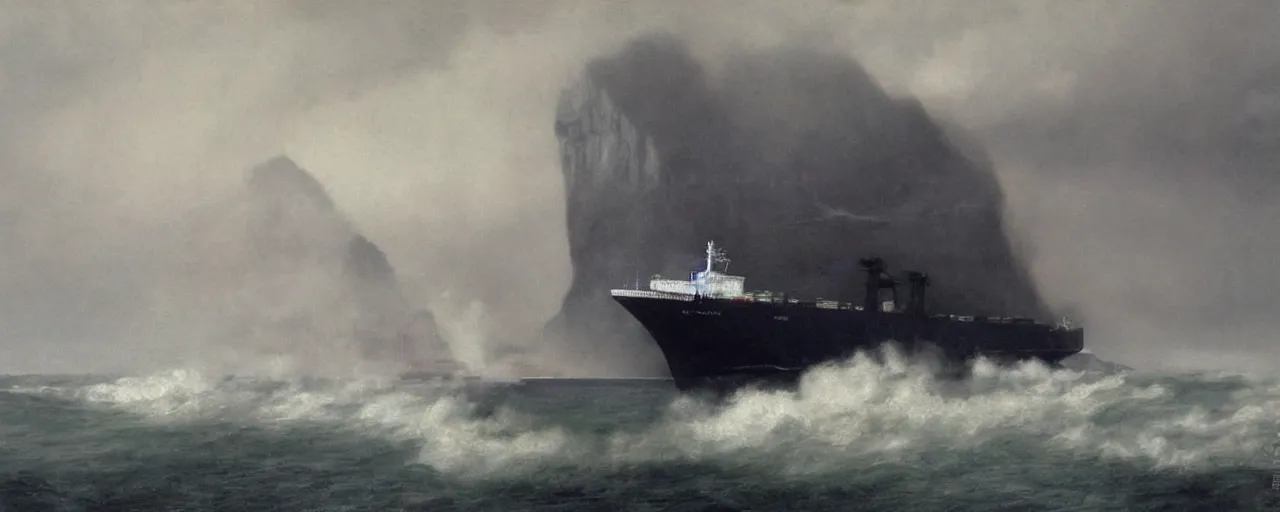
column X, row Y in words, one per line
column 865, row 411
column 841, row 416
column 161, row 394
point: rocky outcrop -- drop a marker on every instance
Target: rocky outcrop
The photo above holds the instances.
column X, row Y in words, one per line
column 320, row 282
column 611, row 173
column 792, row 159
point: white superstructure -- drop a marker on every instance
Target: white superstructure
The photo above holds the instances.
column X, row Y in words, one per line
column 710, row 284
column 706, row 283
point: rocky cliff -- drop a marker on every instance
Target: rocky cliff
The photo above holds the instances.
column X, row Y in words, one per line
column 322, row 284
column 793, row 159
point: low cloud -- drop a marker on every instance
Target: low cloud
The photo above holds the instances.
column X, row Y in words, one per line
column 1135, row 140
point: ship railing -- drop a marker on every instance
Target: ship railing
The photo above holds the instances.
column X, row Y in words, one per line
column 1013, row 320
column 649, row 294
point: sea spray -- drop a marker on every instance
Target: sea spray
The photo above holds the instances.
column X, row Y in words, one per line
column 840, row 417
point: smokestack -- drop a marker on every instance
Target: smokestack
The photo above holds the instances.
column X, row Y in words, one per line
column 873, row 267
column 919, row 281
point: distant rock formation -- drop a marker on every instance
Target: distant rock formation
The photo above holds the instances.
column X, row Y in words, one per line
column 794, row 160
column 319, row 281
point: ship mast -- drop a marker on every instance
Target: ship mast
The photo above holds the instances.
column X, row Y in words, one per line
column 711, row 254
column 716, row 255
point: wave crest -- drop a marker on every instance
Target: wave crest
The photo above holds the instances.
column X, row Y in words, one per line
column 863, row 412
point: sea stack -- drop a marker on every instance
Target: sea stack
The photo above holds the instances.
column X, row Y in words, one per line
column 325, row 283
column 792, row 158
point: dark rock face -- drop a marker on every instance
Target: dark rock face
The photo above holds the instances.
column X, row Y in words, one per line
column 794, row 160
column 329, row 280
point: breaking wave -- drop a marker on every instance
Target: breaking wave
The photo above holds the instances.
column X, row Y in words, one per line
column 857, row 414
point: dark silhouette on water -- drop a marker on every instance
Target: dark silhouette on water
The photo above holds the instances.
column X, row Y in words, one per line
column 715, row 335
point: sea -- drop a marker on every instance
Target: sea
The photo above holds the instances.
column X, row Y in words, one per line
column 864, row 434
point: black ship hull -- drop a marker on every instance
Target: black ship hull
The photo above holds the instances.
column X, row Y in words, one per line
column 723, row 344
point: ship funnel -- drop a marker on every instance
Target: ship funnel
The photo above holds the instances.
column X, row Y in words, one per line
column 919, row 281
column 876, row 281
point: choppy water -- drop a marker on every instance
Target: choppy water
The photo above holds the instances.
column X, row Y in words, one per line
column 862, row 436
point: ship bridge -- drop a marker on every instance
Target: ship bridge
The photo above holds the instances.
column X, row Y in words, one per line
column 706, row 283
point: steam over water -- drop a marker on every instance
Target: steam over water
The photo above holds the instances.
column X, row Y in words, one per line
column 858, row 436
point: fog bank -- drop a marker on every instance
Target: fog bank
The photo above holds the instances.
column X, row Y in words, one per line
column 1134, row 140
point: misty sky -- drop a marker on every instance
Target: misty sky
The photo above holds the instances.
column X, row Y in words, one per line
column 1136, row 141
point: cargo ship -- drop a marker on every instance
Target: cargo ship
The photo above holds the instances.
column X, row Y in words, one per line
column 716, row 335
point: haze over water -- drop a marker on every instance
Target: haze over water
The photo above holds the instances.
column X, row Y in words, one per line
column 1135, row 141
